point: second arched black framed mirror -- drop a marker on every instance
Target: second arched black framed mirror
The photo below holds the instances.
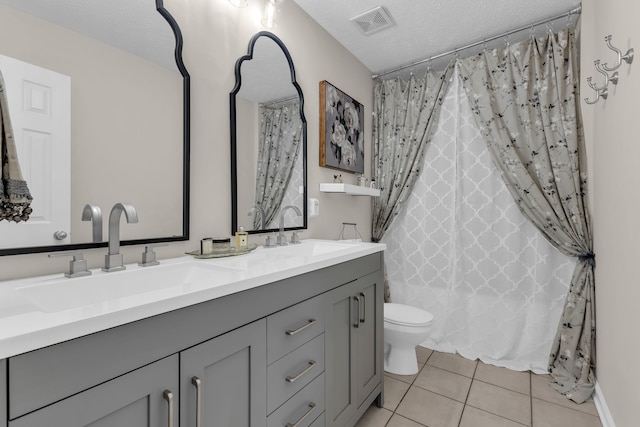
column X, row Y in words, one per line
column 268, row 140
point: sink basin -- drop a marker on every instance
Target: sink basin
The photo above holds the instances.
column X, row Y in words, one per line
column 124, row 288
column 313, row 248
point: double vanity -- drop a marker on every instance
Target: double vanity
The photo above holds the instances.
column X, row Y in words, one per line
column 287, row 336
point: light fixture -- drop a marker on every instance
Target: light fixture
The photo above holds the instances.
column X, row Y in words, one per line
column 239, row 3
column 270, row 13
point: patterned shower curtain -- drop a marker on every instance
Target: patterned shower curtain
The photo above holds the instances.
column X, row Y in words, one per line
column 525, row 98
column 278, row 152
column 461, row 249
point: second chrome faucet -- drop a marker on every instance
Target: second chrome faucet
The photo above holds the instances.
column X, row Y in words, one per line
column 113, row 260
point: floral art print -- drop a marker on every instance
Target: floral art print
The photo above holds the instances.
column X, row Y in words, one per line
column 341, row 130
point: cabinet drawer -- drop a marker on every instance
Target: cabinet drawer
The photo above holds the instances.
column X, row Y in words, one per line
column 304, row 407
column 292, row 372
column 290, row 328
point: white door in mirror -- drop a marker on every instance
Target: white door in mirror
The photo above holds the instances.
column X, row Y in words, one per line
column 37, row 95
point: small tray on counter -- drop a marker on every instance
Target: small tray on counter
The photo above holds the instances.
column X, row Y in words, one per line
column 232, row 251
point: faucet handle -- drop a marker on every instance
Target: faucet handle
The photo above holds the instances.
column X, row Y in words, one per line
column 149, row 256
column 295, row 239
column 77, row 266
column 270, row 243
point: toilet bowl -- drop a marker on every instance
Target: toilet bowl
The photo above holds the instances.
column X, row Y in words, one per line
column 404, row 328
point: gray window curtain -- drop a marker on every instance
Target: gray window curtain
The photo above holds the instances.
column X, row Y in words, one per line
column 525, row 98
column 278, row 149
column 15, row 198
column 405, row 116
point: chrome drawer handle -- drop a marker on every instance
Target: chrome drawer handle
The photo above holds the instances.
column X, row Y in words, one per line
column 197, row 382
column 357, row 324
column 312, row 407
column 364, row 307
column 168, row 396
column 301, row 328
column 293, row 379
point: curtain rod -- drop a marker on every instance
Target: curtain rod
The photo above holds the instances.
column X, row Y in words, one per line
column 505, row 34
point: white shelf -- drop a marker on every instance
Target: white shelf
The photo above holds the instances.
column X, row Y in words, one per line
column 353, row 190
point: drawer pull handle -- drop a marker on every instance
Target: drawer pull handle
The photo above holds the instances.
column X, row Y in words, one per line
column 293, row 379
column 301, row 328
column 312, row 407
column 357, row 324
column 364, row 307
column 197, row 382
column 168, row 396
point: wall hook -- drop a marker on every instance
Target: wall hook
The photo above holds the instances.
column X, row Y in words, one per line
column 627, row 57
column 603, row 93
column 613, row 78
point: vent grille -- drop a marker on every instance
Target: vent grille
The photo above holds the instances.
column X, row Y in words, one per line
column 375, row 20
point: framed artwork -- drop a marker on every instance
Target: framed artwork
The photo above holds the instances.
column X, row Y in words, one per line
column 341, row 130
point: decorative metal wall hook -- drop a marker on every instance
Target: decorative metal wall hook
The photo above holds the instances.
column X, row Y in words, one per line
column 604, row 93
column 613, row 78
column 627, row 57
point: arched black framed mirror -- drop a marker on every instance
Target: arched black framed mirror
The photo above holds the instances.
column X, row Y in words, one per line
column 268, row 140
column 128, row 131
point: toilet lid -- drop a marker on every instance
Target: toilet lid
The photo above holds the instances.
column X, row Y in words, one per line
column 405, row 315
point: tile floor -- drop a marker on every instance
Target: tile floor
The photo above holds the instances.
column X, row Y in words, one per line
column 450, row 391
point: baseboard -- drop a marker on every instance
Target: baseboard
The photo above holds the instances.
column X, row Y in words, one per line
column 603, row 410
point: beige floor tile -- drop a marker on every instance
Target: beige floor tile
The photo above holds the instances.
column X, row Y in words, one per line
column 423, row 353
column 547, row 414
column 406, row 378
column 374, row 417
column 473, row 417
column 500, row 401
column 443, row 382
column 513, row 380
column 430, row 408
column 394, row 391
column 540, row 389
column 453, row 362
column 398, row 421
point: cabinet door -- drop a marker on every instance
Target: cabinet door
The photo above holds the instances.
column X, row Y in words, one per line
column 223, row 380
column 138, row 399
column 3, row 393
column 340, row 318
column 369, row 338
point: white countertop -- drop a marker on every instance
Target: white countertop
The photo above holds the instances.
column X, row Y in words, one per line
column 45, row 310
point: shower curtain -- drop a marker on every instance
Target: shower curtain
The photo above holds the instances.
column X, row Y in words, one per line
column 462, row 250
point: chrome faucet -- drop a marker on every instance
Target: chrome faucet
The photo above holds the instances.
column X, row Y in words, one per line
column 94, row 214
column 282, row 239
column 258, row 209
column 113, row 261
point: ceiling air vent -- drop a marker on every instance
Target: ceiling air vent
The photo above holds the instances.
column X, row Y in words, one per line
column 375, row 20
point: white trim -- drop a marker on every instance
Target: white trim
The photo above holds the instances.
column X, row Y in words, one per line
column 601, row 405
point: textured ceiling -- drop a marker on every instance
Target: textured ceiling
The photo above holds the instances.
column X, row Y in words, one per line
column 425, row 28
column 131, row 25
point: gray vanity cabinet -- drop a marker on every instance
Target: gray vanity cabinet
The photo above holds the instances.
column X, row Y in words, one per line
column 353, row 358
column 145, row 397
column 223, row 380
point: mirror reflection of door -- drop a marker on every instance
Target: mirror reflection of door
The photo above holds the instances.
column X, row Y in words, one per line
column 40, row 108
column 269, row 141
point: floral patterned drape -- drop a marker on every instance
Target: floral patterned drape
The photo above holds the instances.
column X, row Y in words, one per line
column 525, row 98
column 15, row 198
column 278, row 149
column 405, row 115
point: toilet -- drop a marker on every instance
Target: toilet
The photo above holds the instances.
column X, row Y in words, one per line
column 404, row 328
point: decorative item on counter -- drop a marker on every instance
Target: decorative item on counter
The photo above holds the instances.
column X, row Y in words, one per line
column 206, row 246
column 230, row 251
column 337, row 179
column 346, row 226
column 242, row 238
column 221, row 244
